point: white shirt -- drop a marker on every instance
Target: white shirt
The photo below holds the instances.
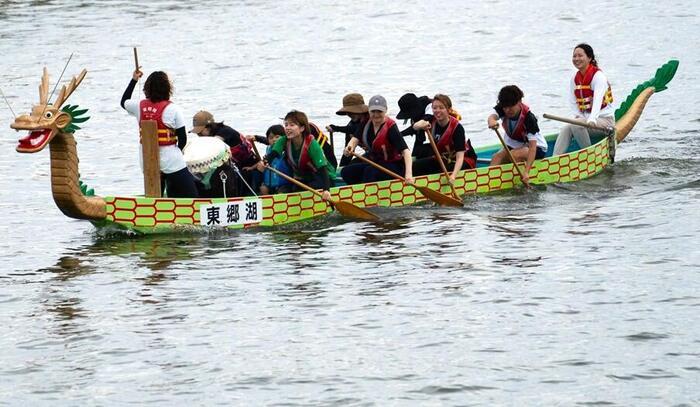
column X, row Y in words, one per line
column 513, row 143
column 171, row 158
column 599, row 85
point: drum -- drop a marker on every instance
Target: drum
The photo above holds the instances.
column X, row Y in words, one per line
column 208, row 160
column 204, row 154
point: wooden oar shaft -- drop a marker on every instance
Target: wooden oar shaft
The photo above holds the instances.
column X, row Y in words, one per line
column 438, row 157
column 345, row 208
column 285, row 176
column 576, row 122
column 508, row 153
column 435, row 196
column 379, row 167
column 255, row 148
column 293, row 180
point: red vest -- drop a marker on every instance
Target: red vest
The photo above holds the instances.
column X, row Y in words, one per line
column 584, row 93
column 305, row 165
column 242, row 152
column 445, row 143
column 519, row 133
column 154, row 111
column 381, row 146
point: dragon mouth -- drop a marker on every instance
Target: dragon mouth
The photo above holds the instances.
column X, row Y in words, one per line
column 35, row 141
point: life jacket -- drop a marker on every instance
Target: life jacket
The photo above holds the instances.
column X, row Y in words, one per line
column 305, row 165
column 272, row 179
column 319, row 135
column 584, row 93
column 519, row 132
column 381, row 145
column 359, row 131
column 242, row 153
column 469, row 155
column 154, row 111
column 445, row 143
column 325, row 144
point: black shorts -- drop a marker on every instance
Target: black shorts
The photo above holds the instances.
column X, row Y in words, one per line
column 540, row 154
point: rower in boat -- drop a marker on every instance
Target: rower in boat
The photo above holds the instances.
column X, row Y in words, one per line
column 590, row 99
column 325, row 142
column 523, row 136
column 353, row 106
column 455, row 148
column 414, row 108
column 172, row 137
column 383, row 144
column 271, row 182
column 243, row 157
column 303, row 154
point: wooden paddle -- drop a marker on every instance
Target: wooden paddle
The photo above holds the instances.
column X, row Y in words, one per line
column 345, row 208
column 438, row 157
column 581, row 123
column 435, row 196
column 510, row 157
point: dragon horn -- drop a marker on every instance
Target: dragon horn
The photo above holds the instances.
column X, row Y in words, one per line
column 44, row 88
column 67, row 91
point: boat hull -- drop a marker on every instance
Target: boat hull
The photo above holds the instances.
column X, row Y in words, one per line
column 165, row 215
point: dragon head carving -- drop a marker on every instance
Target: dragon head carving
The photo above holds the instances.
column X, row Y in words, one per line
column 47, row 119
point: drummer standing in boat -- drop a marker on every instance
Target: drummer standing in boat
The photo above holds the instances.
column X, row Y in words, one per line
column 172, row 137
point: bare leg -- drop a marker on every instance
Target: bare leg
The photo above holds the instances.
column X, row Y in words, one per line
column 520, row 154
column 499, row 158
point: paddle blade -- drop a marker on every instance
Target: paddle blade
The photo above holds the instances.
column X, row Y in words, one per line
column 352, row 211
column 438, row 197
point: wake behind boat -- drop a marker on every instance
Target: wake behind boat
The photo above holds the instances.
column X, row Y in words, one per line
column 54, row 124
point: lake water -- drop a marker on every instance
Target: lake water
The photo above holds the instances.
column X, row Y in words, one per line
column 574, row 294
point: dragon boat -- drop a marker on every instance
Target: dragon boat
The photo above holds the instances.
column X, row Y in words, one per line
column 53, row 124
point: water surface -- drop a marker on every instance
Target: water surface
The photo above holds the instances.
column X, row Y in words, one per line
column 573, row 294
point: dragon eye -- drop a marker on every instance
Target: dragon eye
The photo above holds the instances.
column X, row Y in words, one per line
column 48, row 115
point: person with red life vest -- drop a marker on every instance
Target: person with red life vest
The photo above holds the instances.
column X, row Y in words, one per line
column 242, row 154
column 455, row 148
column 303, row 154
column 383, row 144
column 172, row 137
column 522, row 134
column 590, row 98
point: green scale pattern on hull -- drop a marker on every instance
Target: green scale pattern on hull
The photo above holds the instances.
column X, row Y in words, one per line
column 164, row 215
